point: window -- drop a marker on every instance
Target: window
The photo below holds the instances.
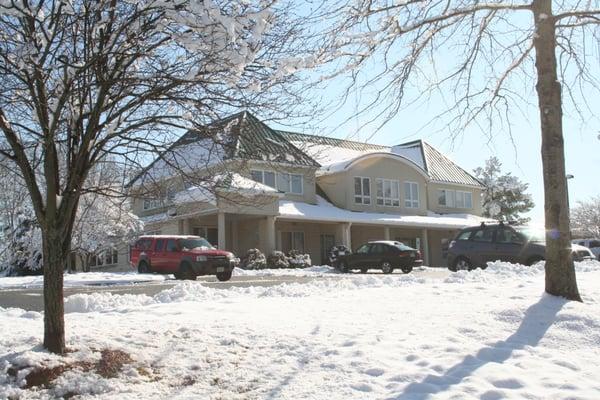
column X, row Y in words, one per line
column 464, row 235
column 594, row 244
column 483, row 235
column 108, row 256
column 150, row 204
column 160, row 244
column 362, row 190
column 144, row 244
column 411, row 195
column 292, row 241
column 455, row 198
column 208, row 233
column 388, row 192
column 264, row 177
column 172, row 246
column 507, row 235
column 378, row 248
column 464, row 199
column 364, row 249
column 289, row 183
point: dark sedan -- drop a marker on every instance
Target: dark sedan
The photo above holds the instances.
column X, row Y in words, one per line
column 386, row 255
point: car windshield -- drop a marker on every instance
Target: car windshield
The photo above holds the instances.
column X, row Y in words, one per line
column 200, row 243
column 533, row 234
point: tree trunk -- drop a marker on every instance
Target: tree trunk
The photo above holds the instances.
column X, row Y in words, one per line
column 55, row 258
column 560, row 271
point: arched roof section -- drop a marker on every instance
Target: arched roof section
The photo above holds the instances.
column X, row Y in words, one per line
column 347, row 164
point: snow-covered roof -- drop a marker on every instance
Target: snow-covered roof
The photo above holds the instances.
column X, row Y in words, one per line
column 335, row 154
column 235, row 182
column 344, row 165
column 239, row 136
column 326, row 212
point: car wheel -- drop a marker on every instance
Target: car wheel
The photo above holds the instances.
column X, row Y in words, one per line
column 143, row 268
column 462, row 264
column 364, row 270
column 386, row 267
column 186, row 272
column 343, row 267
column 534, row 260
column 224, row 276
column 407, row 270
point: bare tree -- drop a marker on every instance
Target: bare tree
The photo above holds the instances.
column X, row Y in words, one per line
column 480, row 58
column 585, row 218
column 87, row 80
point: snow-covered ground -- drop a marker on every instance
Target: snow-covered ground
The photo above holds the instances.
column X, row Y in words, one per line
column 82, row 279
column 489, row 334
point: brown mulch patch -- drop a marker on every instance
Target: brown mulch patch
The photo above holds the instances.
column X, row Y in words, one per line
column 110, row 364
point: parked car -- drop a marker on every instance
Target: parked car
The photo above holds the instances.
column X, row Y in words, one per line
column 184, row 256
column 476, row 246
column 384, row 254
column 592, row 244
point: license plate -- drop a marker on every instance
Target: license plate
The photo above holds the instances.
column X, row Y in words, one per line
column 220, row 269
column 342, row 253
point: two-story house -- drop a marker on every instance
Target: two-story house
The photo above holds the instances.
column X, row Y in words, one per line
column 285, row 190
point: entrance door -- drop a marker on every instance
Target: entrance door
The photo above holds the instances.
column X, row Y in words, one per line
column 327, row 242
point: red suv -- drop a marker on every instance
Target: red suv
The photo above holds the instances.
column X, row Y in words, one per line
column 185, row 256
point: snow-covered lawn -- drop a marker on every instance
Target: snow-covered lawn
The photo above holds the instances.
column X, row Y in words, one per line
column 485, row 334
column 82, row 279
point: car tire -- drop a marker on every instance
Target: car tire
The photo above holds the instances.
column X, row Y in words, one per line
column 534, row 260
column 343, row 267
column 386, row 267
column 462, row 264
column 186, row 272
column 407, row 270
column 364, row 270
column 143, row 268
column 224, row 276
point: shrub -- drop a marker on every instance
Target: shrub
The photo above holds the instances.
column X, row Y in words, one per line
column 254, row 259
column 277, row 259
column 299, row 260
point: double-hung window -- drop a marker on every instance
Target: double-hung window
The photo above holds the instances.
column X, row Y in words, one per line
column 388, row 192
column 264, row 177
column 292, row 241
column 289, row 183
column 362, row 190
column 411, row 195
column 464, row 199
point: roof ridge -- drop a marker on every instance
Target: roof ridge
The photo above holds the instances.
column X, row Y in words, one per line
column 331, row 138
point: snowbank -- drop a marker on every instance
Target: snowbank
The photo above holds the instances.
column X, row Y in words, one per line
column 489, row 334
column 82, row 279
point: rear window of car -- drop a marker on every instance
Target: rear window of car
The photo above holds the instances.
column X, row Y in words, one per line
column 403, row 247
column 594, row 243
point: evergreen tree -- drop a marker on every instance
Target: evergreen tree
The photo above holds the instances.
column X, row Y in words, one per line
column 505, row 197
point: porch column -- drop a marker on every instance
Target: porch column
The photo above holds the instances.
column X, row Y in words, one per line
column 347, row 234
column 235, row 246
column 386, row 233
column 425, row 245
column 221, row 230
column 270, row 244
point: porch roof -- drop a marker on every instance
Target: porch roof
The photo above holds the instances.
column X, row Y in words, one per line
column 324, row 211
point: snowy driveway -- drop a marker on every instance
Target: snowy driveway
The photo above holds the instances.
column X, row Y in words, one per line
column 30, row 297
